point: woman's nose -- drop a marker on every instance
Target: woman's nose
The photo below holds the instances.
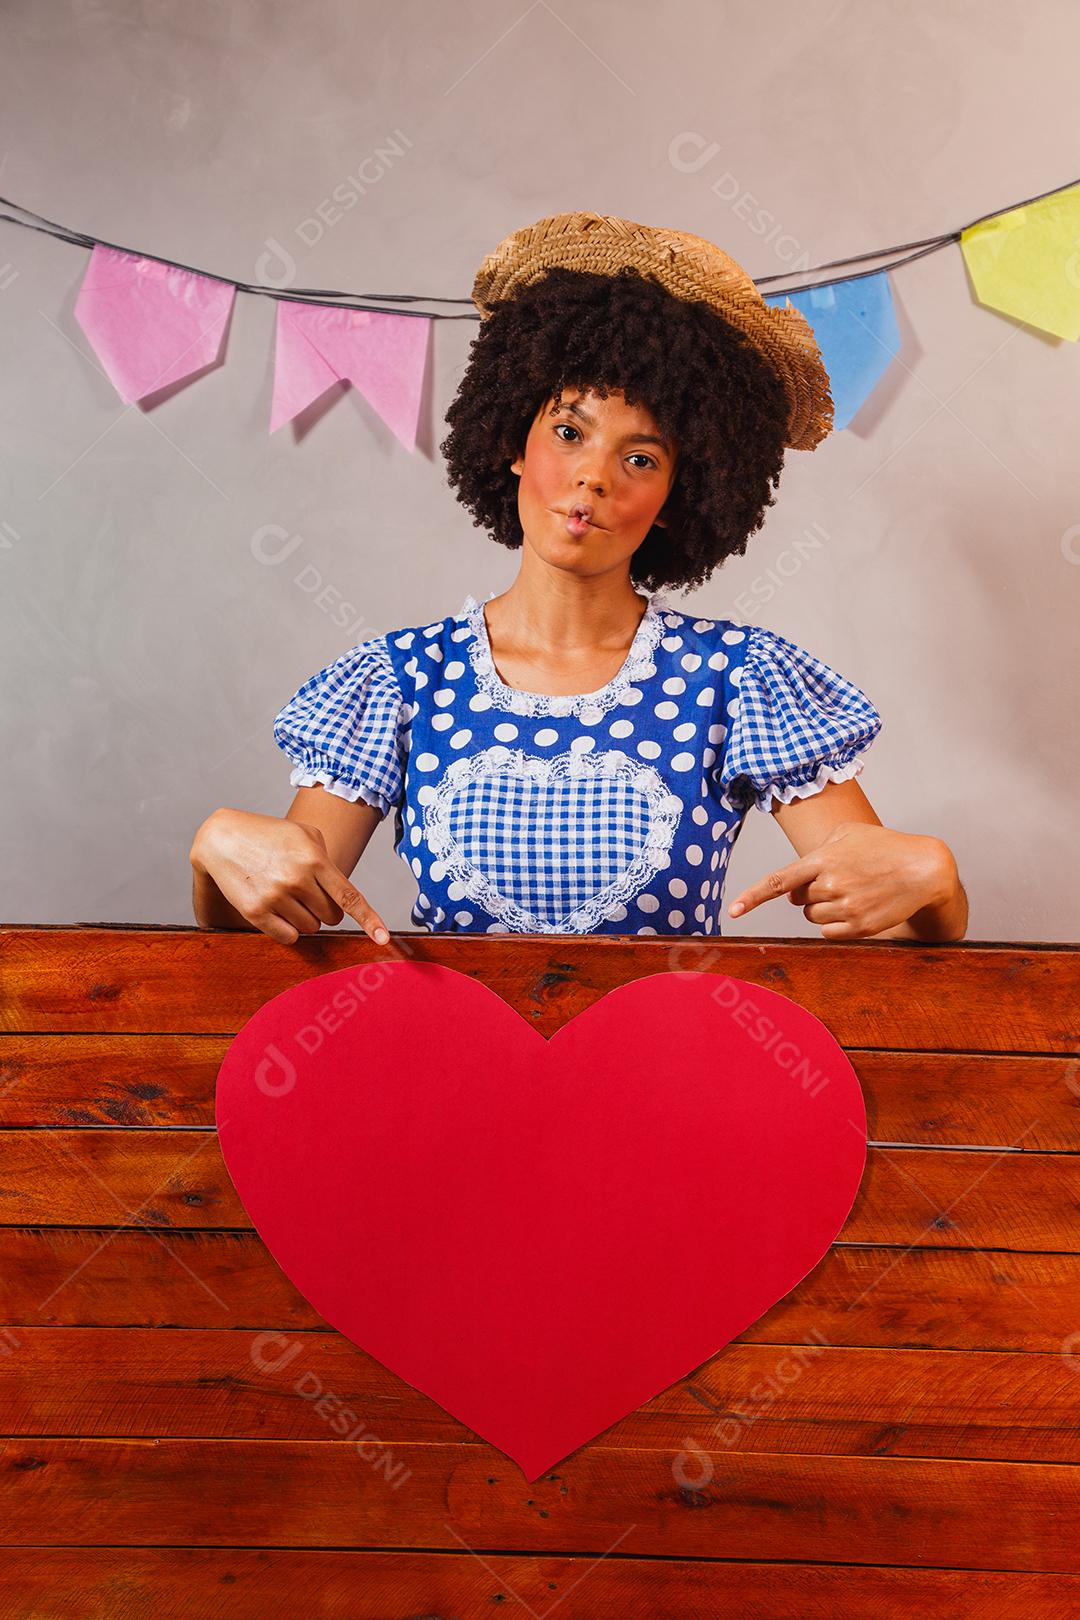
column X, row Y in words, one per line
column 593, row 472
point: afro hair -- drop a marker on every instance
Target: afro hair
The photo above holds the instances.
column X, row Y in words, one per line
column 705, row 385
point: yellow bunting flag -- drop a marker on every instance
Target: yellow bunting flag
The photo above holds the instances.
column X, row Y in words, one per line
column 1026, row 263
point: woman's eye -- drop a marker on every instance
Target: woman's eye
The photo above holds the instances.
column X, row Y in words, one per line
column 560, row 425
column 649, row 462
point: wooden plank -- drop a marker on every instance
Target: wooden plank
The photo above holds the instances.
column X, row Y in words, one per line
column 241, row 1583
column 121, row 1080
column 111, row 1178
column 196, row 1492
column 970, row 1099
column 77, row 1277
column 858, row 1295
column 952, row 1197
column 801, row 1398
column 960, row 996
column 929, row 1098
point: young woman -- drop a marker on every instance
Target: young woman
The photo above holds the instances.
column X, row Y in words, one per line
column 578, row 754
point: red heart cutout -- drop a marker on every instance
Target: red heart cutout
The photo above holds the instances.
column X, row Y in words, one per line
column 541, row 1235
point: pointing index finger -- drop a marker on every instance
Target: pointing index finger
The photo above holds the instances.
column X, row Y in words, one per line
column 353, row 903
column 782, row 881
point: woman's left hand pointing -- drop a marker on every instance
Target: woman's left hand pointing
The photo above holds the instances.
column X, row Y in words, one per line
column 864, row 878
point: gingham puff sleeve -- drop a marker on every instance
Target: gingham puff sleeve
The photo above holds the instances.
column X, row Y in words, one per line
column 344, row 728
column 798, row 725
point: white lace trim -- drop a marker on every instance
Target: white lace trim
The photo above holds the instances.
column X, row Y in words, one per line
column 638, row 666
column 302, row 777
column 805, row 790
column 665, row 810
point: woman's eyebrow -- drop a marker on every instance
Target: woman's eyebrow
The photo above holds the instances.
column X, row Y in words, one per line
column 639, row 438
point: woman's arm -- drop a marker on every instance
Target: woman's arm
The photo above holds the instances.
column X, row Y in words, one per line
column 859, row 879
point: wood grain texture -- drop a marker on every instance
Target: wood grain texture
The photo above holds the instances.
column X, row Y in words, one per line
column 805, row 1397
column 860, row 1294
column 369, row 1492
column 185, row 1435
column 928, row 1099
column 177, row 1179
column 233, row 1583
column 874, row 993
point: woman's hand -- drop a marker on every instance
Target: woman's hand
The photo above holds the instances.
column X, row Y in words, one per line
column 276, row 874
column 863, row 879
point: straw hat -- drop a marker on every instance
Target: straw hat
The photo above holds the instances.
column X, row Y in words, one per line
column 689, row 267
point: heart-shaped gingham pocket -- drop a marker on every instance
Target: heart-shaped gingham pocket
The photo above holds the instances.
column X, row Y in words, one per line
column 551, row 845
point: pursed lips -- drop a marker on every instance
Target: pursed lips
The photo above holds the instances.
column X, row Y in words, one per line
column 592, row 521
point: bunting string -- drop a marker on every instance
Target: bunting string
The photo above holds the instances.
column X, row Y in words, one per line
column 156, row 322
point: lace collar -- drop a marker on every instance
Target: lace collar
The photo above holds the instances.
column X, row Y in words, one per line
column 638, row 664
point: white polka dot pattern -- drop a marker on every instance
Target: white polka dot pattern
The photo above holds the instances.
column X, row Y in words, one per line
column 613, row 811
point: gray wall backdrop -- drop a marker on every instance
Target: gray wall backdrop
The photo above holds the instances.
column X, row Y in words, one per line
column 171, row 575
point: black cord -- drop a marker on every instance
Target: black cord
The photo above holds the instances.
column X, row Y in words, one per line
column 929, row 244
column 347, row 300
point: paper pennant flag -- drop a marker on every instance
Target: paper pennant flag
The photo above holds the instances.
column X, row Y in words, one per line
column 150, row 324
column 854, row 323
column 1026, row 263
column 384, row 356
column 541, row 1235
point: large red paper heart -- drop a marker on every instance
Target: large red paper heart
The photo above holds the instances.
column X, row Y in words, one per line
column 541, row 1235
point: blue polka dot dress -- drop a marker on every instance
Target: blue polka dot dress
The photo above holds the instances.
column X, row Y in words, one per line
column 610, row 812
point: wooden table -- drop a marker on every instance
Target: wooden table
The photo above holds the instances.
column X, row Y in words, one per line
column 898, row 1436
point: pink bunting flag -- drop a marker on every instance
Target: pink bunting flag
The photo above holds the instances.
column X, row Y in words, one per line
column 382, row 355
column 151, row 324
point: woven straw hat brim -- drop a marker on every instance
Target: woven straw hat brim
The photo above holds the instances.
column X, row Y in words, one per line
column 689, row 267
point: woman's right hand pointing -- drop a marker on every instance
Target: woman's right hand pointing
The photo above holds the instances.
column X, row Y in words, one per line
column 277, row 875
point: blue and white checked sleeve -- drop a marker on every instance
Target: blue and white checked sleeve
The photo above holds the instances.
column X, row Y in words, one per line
column 345, row 728
column 799, row 724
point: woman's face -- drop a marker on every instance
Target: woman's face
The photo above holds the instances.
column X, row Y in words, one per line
column 601, row 451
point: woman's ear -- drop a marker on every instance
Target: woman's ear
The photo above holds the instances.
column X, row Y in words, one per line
column 518, row 466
